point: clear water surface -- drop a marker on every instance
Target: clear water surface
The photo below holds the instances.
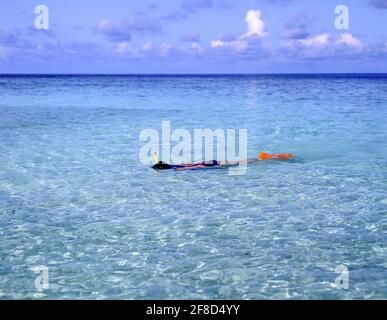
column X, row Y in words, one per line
column 74, row 197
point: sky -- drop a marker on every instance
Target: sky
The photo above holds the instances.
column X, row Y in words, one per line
column 193, row 36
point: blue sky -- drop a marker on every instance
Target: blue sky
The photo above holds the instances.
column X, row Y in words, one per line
column 193, row 36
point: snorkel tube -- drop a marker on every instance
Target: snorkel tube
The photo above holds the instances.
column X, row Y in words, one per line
column 159, row 165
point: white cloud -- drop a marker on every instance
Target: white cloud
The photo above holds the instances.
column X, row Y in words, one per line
column 217, row 43
column 316, row 41
column 146, row 46
column 165, row 48
column 349, row 40
column 105, row 25
column 255, row 24
column 238, row 46
column 324, row 40
column 147, row 50
column 247, row 41
column 4, row 52
column 124, row 48
column 197, row 48
column 324, row 46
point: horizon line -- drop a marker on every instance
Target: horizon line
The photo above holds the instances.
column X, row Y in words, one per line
column 192, row 74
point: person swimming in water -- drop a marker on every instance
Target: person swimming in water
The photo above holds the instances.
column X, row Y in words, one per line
column 160, row 165
column 189, row 166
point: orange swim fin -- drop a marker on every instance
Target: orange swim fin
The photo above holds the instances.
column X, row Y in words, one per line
column 279, row 156
column 265, row 156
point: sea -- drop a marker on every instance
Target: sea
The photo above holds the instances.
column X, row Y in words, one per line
column 81, row 217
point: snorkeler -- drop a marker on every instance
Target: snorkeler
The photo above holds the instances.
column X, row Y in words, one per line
column 160, row 165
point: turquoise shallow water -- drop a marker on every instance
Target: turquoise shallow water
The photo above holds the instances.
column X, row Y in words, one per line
column 74, row 197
